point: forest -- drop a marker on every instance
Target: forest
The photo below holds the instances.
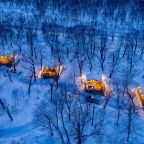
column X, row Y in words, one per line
column 71, row 71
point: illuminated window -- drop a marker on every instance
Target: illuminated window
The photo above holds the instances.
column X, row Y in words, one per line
column 90, row 87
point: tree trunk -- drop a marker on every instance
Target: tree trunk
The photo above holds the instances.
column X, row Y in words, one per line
column 6, row 109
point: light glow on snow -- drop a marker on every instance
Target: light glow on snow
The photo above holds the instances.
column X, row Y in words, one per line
column 80, row 82
column 107, row 87
column 39, row 74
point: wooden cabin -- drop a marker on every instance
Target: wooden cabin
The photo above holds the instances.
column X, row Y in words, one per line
column 141, row 95
column 49, row 72
column 7, row 60
column 94, row 86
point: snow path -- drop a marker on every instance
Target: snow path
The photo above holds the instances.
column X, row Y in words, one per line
column 25, row 130
column 17, row 131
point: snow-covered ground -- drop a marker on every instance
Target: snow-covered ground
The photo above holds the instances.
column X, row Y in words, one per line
column 105, row 47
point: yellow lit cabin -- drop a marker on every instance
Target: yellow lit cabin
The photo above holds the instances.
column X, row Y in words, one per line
column 51, row 72
column 94, row 86
column 141, row 95
column 7, row 60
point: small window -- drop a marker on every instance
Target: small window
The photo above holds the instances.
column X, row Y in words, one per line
column 90, row 87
